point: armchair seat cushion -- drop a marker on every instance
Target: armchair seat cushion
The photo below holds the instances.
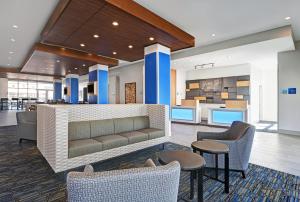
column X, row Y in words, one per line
column 83, row 147
column 135, row 136
column 152, row 133
column 112, row 141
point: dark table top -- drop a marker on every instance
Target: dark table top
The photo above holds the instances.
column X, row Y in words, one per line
column 188, row 161
column 210, row 146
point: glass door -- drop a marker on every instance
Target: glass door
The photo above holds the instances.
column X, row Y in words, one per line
column 42, row 95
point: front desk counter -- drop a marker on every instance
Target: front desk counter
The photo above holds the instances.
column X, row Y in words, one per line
column 186, row 114
column 225, row 116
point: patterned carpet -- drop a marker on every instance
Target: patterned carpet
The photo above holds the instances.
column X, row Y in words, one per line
column 26, row 176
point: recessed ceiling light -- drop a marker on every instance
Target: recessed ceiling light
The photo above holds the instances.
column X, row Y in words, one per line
column 287, row 18
column 8, row 64
column 213, row 35
column 57, row 60
column 130, row 46
column 115, row 23
column 15, row 26
column 115, row 53
column 83, row 65
column 151, row 38
column 11, row 52
column 82, row 44
column 75, row 68
column 12, row 40
column 96, row 36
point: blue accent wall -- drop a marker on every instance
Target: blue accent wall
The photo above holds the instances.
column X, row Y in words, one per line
column 102, row 87
column 57, row 91
column 73, row 85
column 92, row 78
column 102, row 95
column 74, row 90
column 164, row 79
column 68, row 85
column 150, row 79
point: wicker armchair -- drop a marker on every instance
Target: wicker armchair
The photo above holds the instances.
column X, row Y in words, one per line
column 239, row 138
column 146, row 184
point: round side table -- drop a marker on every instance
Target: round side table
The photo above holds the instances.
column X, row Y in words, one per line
column 215, row 148
column 188, row 161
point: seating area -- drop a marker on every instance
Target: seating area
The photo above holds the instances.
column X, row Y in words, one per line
column 94, row 136
column 149, row 101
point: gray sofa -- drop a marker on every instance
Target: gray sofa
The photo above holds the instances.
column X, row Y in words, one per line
column 146, row 184
column 239, row 138
column 87, row 137
column 26, row 125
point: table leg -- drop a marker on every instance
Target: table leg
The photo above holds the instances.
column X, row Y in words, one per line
column 226, row 173
column 217, row 166
column 192, row 185
column 200, row 185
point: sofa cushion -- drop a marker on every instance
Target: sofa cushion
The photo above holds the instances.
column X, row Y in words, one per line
column 134, row 136
column 112, row 141
column 102, row 127
column 123, row 125
column 141, row 122
column 153, row 132
column 79, row 130
column 83, row 147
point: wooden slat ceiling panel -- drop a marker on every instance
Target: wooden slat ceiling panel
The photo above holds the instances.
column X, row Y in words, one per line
column 80, row 20
column 74, row 17
column 46, row 63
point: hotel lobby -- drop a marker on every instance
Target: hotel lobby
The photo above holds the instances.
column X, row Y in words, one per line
column 157, row 101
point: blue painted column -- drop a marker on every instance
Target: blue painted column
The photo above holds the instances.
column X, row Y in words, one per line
column 72, row 85
column 157, row 75
column 57, row 89
column 98, row 75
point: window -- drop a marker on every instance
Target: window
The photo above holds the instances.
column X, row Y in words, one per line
column 30, row 89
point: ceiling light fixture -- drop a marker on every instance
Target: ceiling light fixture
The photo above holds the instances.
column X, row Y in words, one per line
column 96, row 36
column 76, row 68
column 15, row 26
column 204, row 66
column 83, row 65
column 11, row 52
column 287, row 18
column 115, row 23
column 12, row 40
column 57, row 61
column 213, row 35
column 115, row 53
column 130, row 46
column 82, row 45
column 8, row 64
column 151, row 38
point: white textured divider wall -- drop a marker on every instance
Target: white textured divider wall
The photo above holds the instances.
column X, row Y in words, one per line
column 52, row 130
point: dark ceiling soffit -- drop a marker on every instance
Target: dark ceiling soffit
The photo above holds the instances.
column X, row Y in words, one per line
column 75, row 54
column 58, row 11
column 151, row 18
column 4, row 70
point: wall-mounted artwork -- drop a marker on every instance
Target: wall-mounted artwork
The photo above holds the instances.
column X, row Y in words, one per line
column 130, row 93
column 218, row 90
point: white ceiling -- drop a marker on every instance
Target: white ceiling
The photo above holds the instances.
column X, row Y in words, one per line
column 201, row 18
column 30, row 16
column 264, row 53
column 227, row 19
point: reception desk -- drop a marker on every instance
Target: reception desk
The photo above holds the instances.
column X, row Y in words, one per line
column 225, row 116
column 188, row 112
